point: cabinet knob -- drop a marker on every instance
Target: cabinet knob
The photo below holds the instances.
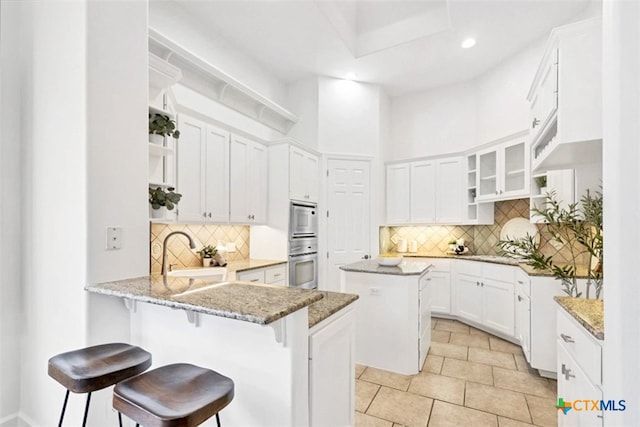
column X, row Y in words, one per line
column 500, row 191
column 535, row 123
column 204, row 214
column 209, row 215
column 496, row 191
column 566, row 338
column 519, row 298
column 481, row 283
column 248, row 216
column 477, row 283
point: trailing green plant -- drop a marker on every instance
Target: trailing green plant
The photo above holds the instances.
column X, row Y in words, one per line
column 161, row 124
column 579, row 227
column 158, row 197
column 208, row 251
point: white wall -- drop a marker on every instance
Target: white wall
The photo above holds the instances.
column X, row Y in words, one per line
column 10, row 191
column 435, row 122
column 621, row 154
column 303, row 98
column 173, row 22
column 54, row 199
column 348, row 117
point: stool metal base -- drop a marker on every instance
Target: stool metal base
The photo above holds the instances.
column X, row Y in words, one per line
column 64, row 408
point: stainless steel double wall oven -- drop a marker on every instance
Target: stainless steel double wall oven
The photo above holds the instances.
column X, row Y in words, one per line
column 303, row 245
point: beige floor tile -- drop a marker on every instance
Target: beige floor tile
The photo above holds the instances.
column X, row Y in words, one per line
column 474, row 331
column 543, row 411
column 508, row 422
column 400, row 407
column 479, row 341
column 434, row 322
column 438, row 387
column 522, row 365
column 447, row 415
column 493, row 358
column 364, row 420
column 469, row 371
column 359, row 370
column 365, row 392
column 452, row 326
column 497, row 401
column 523, row 382
column 498, row 344
column 433, row 364
column 386, row 378
column 440, row 336
column 448, row 350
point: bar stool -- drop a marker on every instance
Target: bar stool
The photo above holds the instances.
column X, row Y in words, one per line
column 93, row 368
column 178, row 395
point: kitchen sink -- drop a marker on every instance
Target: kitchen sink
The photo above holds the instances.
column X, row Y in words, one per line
column 210, row 273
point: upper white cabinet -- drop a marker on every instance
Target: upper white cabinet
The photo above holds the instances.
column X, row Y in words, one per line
column 475, row 213
column 425, row 192
column 203, row 172
column 566, row 98
column 503, row 171
column 248, row 181
column 399, row 193
column 303, row 175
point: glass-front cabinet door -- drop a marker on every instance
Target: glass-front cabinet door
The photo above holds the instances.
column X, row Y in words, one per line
column 487, row 174
column 503, row 171
column 515, row 174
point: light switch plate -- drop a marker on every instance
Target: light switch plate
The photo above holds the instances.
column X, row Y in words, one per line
column 114, row 238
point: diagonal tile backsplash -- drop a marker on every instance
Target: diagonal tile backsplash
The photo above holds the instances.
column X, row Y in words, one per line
column 203, row 234
column 480, row 239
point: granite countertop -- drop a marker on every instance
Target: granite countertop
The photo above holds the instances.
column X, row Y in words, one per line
column 495, row 259
column 331, row 303
column 588, row 312
column 406, row 267
column 251, row 264
column 249, row 302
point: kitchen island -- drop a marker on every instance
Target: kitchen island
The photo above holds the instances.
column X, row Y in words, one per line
column 393, row 322
column 258, row 335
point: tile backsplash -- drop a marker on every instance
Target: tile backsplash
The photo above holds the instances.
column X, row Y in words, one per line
column 480, row 239
column 203, row 234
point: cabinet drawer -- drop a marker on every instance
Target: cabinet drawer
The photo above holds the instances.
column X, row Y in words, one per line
column 501, row 273
column 583, row 348
column 275, row 274
column 256, row 276
column 523, row 283
column 470, row 268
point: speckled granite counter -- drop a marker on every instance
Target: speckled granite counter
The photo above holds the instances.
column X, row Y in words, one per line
column 250, row 264
column 495, row 259
column 406, row 267
column 588, row 312
column 255, row 303
column 331, row 303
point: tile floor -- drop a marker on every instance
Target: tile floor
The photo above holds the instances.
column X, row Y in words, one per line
column 470, row 379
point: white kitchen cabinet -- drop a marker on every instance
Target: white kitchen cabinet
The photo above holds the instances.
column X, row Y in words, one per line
column 248, row 182
column 440, row 286
column 565, row 98
column 485, row 295
column 474, row 212
column 523, row 313
column 303, row 175
column 423, row 192
column 503, row 170
column 331, row 371
column 398, row 190
column 275, row 275
column 161, row 156
column 425, row 301
column 203, row 172
column 579, row 367
column 559, row 182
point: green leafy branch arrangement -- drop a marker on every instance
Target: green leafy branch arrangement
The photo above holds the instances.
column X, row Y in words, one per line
column 158, row 197
column 208, row 251
column 579, row 228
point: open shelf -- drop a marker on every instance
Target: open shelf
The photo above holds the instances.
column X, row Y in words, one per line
column 159, row 150
column 515, row 172
column 487, row 178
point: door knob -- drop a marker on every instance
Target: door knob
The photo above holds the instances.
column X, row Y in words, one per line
column 365, row 257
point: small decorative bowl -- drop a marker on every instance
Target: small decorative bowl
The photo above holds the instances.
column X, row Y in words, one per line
column 389, row 261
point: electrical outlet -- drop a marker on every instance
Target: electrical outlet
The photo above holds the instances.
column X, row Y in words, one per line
column 114, row 238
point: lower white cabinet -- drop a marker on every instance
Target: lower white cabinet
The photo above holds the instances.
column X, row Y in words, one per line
column 579, row 356
column 276, row 275
column 485, row 295
column 331, row 371
column 440, row 286
column 523, row 313
column 425, row 300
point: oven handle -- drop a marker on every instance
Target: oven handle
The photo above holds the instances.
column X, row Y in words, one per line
column 306, row 254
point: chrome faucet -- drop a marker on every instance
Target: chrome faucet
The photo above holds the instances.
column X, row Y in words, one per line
column 192, row 245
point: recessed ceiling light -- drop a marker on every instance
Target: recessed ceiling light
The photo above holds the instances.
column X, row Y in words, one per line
column 470, row 42
column 350, row 76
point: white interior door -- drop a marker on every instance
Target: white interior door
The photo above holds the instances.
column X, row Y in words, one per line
column 349, row 206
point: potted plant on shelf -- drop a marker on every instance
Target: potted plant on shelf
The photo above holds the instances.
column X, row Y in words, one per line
column 577, row 227
column 207, row 253
column 162, row 201
column 541, row 182
column 161, row 125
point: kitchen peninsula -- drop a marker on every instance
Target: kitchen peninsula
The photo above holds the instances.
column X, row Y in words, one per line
column 264, row 337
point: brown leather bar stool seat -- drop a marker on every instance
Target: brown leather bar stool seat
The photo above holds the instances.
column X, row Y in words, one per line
column 173, row 395
column 94, row 368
